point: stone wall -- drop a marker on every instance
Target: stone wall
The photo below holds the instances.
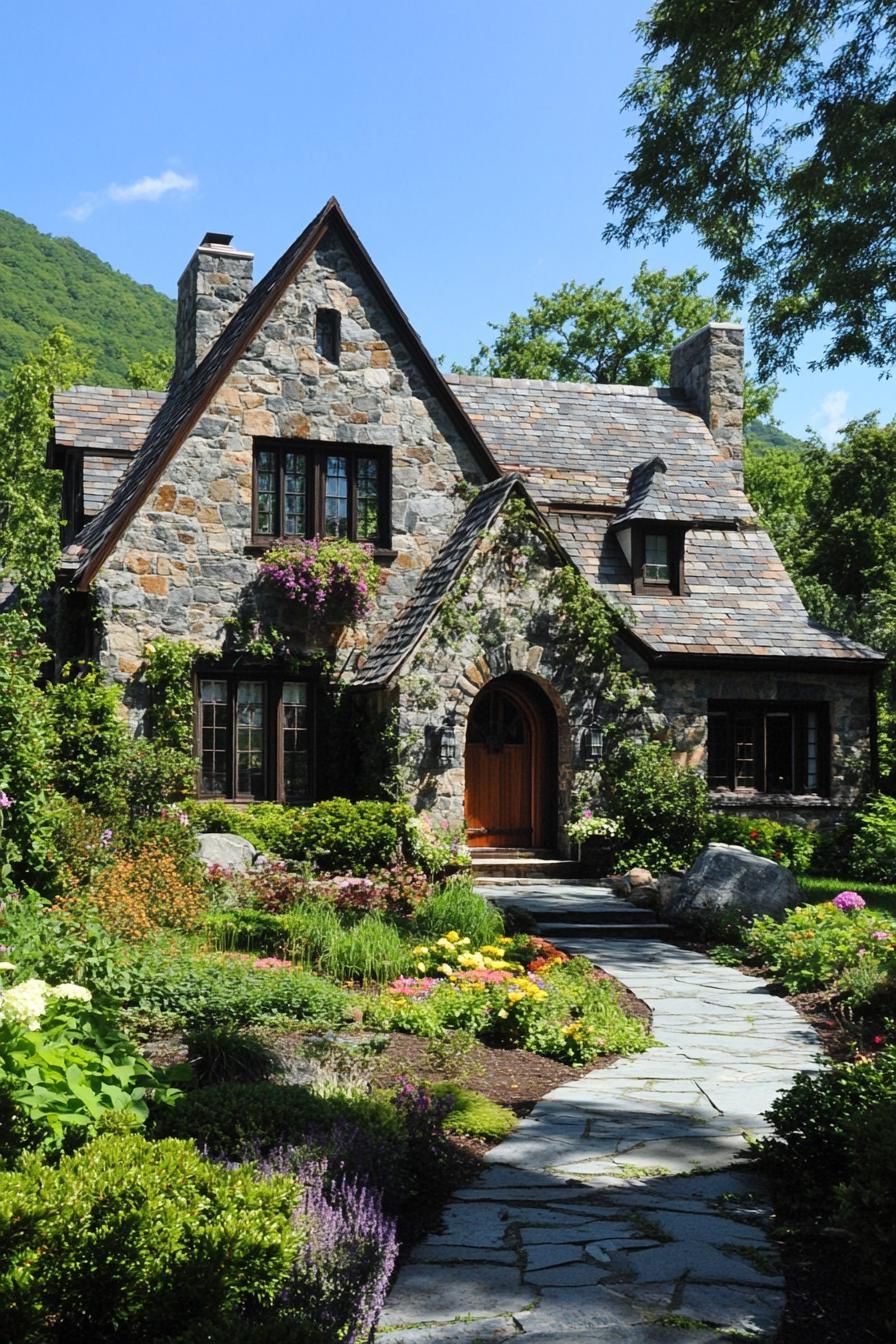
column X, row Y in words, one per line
column 709, row 367
column 679, row 715
column 216, row 282
column 500, row 622
column 185, row 561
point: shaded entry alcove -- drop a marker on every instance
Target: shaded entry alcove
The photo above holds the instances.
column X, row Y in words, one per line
column 511, row 767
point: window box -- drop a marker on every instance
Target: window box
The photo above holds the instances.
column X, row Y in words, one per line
column 254, row 733
column 302, row 490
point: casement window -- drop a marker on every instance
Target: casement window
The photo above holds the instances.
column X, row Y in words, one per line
column 769, row 747
column 657, row 560
column 254, row 737
column 303, row 489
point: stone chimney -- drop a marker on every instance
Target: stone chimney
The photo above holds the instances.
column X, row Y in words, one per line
column 709, row 368
column 215, row 283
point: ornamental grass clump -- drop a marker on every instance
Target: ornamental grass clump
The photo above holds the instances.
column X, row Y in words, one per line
column 327, row 577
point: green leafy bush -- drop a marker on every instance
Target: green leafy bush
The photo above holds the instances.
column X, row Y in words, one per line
column 27, row 748
column 791, row 846
column 92, row 741
column 661, row 808
column 217, row 991
column 814, row 945
column 456, row 904
column 873, row 848
column 66, row 1068
column 247, row 931
column 473, row 1115
column 867, row 1198
column 339, row 836
column 156, row 773
column 80, row 843
column 139, row 1241
column 237, row 1120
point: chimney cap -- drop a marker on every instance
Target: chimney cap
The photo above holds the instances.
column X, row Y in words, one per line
column 217, row 240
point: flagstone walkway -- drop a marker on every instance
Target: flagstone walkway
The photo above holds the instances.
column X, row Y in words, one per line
column 613, row 1211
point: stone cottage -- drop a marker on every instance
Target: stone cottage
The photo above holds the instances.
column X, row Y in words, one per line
column 305, row 405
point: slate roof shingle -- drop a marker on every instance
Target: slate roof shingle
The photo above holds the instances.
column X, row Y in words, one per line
column 386, row 657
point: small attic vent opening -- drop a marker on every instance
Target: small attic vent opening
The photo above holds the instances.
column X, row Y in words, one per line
column 327, row 334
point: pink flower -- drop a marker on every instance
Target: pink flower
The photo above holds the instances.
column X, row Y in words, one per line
column 5, row 800
column 848, row 900
column 879, row 935
column 271, row 964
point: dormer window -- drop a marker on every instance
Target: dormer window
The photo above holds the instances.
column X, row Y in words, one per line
column 327, row 334
column 657, row 559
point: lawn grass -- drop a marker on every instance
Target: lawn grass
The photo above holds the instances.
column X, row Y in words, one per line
column 877, row 895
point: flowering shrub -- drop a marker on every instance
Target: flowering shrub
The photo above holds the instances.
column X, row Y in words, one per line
column 341, row 1276
column 816, row 945
column 591, row 826
column 135, row 895
column 791, row 846
column 327, row 577
column 436, row 845
column 65, row 1067
column 396, row 890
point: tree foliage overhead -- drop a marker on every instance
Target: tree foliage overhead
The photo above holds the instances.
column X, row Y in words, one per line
column 592, row 334
column 47, row 282
column 769, row 126
column 29, row 490
column 152, row 371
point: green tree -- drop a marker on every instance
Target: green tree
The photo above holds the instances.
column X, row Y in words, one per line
column 768, row 127
column 152, row 371
column 29, row 490
column 589, row 333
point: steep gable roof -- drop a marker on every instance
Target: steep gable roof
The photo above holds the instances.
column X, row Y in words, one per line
column 405, row 633
column 188, row 399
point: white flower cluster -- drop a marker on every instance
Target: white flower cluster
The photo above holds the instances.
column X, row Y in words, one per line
column 26, row 1003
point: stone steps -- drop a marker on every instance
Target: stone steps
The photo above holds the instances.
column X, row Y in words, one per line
column 521, row 864
column 564, row 935
column 568, row 912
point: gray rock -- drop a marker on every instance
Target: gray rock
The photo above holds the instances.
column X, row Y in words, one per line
column 728, row 878
column 226, row 849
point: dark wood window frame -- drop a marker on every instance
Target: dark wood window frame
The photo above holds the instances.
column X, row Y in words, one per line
column 740, row 742
column 674, row 536
column 315, row 455
column 273, row 788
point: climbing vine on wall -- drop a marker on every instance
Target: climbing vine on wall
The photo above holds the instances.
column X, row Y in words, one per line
column 168, row 674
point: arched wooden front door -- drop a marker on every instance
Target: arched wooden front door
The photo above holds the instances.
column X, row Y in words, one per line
column 509, row 799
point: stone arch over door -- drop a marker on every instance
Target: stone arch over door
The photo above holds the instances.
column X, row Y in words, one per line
column 510, row 765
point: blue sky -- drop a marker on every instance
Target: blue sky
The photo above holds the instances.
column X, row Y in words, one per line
column 471, row 145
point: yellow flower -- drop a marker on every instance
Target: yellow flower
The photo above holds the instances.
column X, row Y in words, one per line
column 421, row 966
column 419, row 951
column 444, row 969
column 514, row 996
column 502, row 1012
column 504, row 941
column 454, row 937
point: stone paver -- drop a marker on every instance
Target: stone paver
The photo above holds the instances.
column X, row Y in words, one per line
column 614, row 1212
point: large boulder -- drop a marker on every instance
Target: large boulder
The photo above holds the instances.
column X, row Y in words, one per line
column 226, row 849
column 729, row 879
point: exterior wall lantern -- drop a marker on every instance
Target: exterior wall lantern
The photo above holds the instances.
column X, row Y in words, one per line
column 592, row 745
column 442, row 740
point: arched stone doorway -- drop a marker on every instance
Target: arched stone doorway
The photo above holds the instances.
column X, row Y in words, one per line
column 511, row 767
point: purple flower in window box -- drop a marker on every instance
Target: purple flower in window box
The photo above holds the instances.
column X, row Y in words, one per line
column 327, row 576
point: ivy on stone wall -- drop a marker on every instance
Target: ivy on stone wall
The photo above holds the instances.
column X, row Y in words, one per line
column 168, row 674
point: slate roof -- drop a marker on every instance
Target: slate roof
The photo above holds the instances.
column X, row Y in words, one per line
column 104, row 418
column 385, row 659
column 188, row 399
column 587, row 454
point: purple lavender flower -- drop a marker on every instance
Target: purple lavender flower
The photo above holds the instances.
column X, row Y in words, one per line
column 849, row 900
column 5, row 800
column 106, row 837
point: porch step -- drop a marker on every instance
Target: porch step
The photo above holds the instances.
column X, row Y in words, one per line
column 516, row 865
column 570, row 913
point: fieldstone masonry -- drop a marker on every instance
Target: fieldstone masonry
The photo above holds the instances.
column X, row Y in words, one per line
column 215, row 283
column 709, row 366
column 184, row 562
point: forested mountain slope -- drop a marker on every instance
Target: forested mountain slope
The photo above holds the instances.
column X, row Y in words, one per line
column 46, row 282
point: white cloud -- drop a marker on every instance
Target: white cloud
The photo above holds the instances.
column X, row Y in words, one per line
column 144, row 189
column 831, row 418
